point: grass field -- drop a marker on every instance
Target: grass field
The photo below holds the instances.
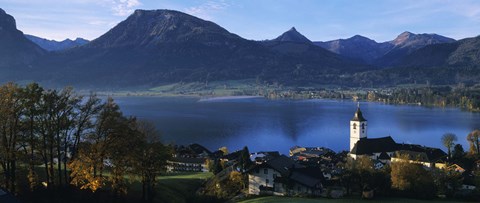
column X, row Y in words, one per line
column 179, row 187
column 346, row 200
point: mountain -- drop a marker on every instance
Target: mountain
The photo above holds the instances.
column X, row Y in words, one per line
column 357, row 47
column 292, row 35
column 17, row 53
column 407, row 43
column 52, row 45
column 382, row 54
column 463, row 53
column 153, row 47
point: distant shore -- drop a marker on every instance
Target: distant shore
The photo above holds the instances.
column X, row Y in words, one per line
column 204, row 99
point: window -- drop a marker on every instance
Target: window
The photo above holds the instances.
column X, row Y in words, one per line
column 354, row 126
column 267, row 181
column 265, row 171
column 363, row 126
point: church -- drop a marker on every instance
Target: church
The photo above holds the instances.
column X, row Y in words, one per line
column 386, row 150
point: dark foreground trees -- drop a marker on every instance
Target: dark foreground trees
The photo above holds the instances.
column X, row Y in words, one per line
column 56, row 138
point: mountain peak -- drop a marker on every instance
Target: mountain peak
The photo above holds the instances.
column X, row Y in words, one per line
column 403, row 38
column 292, row 35
column 152, row 27
column 409, row 39
column 359, row 37
column 7, row 21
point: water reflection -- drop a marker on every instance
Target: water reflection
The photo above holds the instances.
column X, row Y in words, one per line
column 279, row 124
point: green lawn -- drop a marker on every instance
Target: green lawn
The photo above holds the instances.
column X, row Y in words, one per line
column 180, row 187
column 346, row 200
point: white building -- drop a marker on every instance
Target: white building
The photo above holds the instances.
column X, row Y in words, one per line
column 282, row 176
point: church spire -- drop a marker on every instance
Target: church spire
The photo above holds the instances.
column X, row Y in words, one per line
column 358, row 114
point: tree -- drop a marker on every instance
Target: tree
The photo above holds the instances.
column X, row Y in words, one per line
column 412, row 179
column 224, row 150
column 150, row 159
column 31, row 96
column 473, row 139
column 10, row 125
column 458, row 152
column 82, row 170
column 448, row 140
column 244, row 161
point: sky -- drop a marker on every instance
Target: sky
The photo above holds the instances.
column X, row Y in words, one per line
column 318, row 20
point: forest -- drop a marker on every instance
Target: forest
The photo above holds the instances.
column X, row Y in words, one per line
column 54, row 143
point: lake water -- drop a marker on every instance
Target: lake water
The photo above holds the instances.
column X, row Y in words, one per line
column 263, row 124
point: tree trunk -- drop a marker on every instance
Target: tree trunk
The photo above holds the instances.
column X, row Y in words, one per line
column 59, row 156
column 65, row 172
column 52, row 167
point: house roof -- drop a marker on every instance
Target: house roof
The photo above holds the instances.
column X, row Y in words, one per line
column 282, row 164
column 431, row 154
column 199, row 149
column 374, row 145
column 358, row 116
column 188, row 160
column 412, row 155
column 233, row 156
column 309, row 177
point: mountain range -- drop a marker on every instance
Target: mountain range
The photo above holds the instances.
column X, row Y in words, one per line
column 52, row 45
column 155, row 47
column 382, row 54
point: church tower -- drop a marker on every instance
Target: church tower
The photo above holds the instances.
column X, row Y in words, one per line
column 358, row 127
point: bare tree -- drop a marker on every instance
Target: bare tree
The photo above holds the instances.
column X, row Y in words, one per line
column 448, row 140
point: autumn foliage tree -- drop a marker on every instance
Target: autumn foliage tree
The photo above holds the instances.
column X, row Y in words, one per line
column 473, row 139
column 412, row 179
column 76, row 139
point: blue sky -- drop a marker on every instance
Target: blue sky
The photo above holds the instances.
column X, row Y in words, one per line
column 319, row 20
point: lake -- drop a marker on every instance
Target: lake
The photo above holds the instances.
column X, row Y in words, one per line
column 263, row 124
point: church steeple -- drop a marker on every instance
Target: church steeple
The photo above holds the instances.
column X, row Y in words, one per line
column 358, row 115
column 358, row 127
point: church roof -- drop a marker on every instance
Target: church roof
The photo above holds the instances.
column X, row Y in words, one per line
column 358, row 116
column 369, row 146
column 430, row 154
column 374, row 145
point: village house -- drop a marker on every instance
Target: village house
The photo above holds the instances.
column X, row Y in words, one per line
column 191, row 158
column 260, row 157
column 187, row 164
column 305, row 153
column 282, row 176
column 385, row 150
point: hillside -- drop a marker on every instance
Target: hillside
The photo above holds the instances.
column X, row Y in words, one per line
column 156, row 47
column 17, row 53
